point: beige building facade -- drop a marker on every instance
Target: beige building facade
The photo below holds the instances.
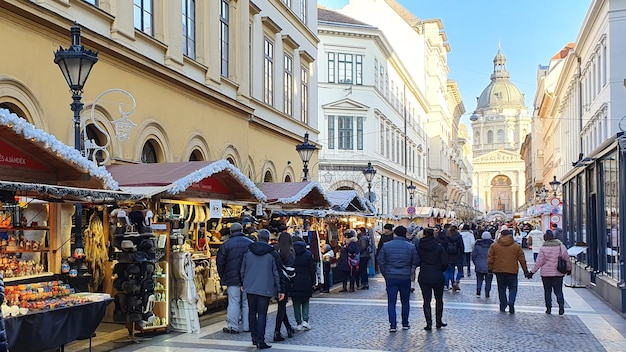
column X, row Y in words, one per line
column 236, row 80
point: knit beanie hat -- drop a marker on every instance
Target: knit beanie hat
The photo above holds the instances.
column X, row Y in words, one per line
column 486, row 235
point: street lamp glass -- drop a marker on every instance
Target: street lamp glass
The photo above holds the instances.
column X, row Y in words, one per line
column 75, row 62
column 306, row 149
column 555, row 184
column 369, row 172
column 411, row 189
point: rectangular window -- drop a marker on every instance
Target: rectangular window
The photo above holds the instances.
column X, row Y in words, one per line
column 345, row 129
column 304, row 95
column 376, row 73
column 359, row 69
column 387, row 142
column 303, row 5
column 93, row 2
column 382, row 138
column 268, row 72
column 603, row 65
column 359, row 133
column 224, row 35
column 331, row 132
column 142, row 16
column 189, row 28
column 287, row 2
column 288, row 84
column 344, row 68
column 331, row 67
column 382, row 78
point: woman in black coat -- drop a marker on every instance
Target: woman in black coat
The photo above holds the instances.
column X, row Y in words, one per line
column 302, row 288
column 434, row 261
column 287, row 257
column 349, row 249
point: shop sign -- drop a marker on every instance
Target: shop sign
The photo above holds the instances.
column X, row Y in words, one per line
column 12, row 157
column 215, row 209
column 209, row 184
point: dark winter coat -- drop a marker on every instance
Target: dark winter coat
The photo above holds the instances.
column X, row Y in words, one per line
column 364, row 245
column 259, row 272
column 351, row 248
column 229, row 258
column 291, row 257
column 383, row 239
column 302, row 286
column 479, row 255
column 398, row 259
column 434, row 261
column 457, row 258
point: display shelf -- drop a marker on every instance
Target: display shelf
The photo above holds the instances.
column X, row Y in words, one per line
column 27, row 277
column 161, row 307
column 13, row 229
column 26, row 250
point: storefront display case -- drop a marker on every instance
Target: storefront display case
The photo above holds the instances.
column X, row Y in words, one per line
column 161, row 278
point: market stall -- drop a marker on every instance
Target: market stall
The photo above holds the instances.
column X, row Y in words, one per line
column 40, row 179
column 193, row 204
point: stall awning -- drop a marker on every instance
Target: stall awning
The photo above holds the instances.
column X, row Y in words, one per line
column 31, row 155
column 54, row 193
column 347, row 200
column 192, row 180
column 420, row 212
column 295, row 195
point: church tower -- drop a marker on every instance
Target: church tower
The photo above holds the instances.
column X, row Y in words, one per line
column 499, row 125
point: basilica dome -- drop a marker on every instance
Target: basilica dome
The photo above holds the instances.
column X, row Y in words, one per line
column 500, row 92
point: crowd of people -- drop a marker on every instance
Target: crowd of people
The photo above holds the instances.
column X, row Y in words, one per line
column 279, row 266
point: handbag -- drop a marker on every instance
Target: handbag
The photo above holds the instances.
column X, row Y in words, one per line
column 561, row 264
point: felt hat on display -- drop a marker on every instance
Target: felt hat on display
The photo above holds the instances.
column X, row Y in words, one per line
column 133, row 269
column 117, row 284
column 128, row 245
column 119, row 269
column 140, row 256
column 126, row 257
column 131, row 287
column 148, row 286
column 146, row 244
column 147, row 269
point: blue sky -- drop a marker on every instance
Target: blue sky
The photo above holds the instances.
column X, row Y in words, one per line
column 530, row 33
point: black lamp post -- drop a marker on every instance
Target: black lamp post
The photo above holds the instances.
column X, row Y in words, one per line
column 305, row 150
column 411, row 189
column 369, row 174
column 555, row 184
column 75, row 63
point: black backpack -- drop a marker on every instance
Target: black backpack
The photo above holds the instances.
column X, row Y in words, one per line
column 451, row 248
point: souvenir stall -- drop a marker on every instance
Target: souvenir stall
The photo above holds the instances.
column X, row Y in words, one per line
column 348, row 210
column 192, row 205
column 40, row 179
column 299, row 205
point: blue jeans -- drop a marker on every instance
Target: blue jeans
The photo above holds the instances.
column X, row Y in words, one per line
column 393, row 287
column 449, row 274
column 488, row 278
column 506, row 281
column 258, row 316
column 237, row 306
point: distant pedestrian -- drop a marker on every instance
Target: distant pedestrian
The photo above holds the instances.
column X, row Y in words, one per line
column 413, row 235
column 502, row 259
column 328, row 261
column 228, row 262
column 397, row 258
column 455, row 250
column 287, row 257
column 302, row 287
column 386, row 236
column 552, row 279
column 535, row 241
column 559, row 234
column 260, row 282
column 479, row 257
column 468, row 246
column 348, row 260
column 366, row 249
column 433, row 263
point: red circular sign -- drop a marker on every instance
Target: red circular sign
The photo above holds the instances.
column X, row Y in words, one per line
column 410, row 210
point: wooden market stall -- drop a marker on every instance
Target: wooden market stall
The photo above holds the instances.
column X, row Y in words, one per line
column 194, row 204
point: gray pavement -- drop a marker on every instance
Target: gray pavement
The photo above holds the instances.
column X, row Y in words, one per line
column 358, row 322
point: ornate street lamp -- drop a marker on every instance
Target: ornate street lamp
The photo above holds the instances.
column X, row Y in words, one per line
column 305, row 150
column 76, row 63
column 369, row 174
column 411, row 188
column 555, row 184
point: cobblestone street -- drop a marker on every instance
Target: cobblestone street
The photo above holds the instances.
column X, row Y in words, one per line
column 358, row 321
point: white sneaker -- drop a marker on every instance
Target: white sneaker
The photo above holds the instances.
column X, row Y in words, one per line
column 306, row 326
column 298, row 327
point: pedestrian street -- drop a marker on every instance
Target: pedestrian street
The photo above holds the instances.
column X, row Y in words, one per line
column 357, row 321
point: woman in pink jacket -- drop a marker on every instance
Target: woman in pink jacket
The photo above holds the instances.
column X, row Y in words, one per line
column 552, row 279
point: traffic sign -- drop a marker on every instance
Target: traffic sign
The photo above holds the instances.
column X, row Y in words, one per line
column 410, row 210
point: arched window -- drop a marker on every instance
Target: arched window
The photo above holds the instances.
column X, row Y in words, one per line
column 94, row 134
column 489, row 136
column 268, row 176
column 196, row 155
column 149, row 153
column 231, row 160
column 500, row 136
column 287, row 178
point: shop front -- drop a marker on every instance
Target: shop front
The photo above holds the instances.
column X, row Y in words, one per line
column 594, row 212
column 193, row 204
column 40, row 181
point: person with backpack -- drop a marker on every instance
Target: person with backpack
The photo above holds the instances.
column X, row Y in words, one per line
column 397, row 259
column 349, row 260
column 366, row 250
column 302, row 288
column 455, row 250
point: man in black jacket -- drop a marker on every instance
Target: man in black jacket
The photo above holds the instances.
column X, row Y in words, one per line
column 228, row 263
column 397, row 258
